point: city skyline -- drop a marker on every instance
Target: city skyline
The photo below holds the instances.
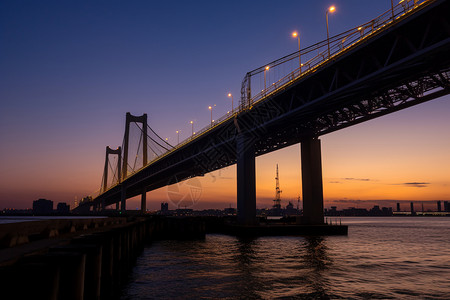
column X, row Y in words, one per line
column 71, row 72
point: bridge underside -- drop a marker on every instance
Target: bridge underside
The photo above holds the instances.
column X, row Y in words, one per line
column 406, row 64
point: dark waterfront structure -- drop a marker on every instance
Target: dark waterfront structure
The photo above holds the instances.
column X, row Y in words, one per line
column 164, row 207
column 412, row 209
column 392, row 62
column 62, row 208
column 360, row 212
column 42, row 207
column 79, row 258
column 439, row 206
column 446, row 206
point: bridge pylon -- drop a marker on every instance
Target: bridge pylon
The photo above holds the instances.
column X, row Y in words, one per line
column 137, row 119
column 117, row 152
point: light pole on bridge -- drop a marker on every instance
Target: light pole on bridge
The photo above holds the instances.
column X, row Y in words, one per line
column 265, row 69
column 192, row 123
column 295, row 34
column 211, row 109
column 331, row 9
column 232, row 106
column 178, row 137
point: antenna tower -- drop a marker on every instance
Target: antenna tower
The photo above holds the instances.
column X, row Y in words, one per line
column 277, row 201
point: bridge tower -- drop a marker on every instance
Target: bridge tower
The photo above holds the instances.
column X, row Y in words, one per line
column 117, row 152
column 138, row 119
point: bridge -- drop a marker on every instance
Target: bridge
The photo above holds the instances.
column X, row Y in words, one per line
column 394, row 61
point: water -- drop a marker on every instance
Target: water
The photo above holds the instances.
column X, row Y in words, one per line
column 381, row 258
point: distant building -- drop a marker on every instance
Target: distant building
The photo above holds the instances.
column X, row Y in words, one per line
column 352, row 211
column 164, row 207
column 42, row 206
column 412, row 209
column 63, row 208
column 230, row 211
column 439, row 209
column 184, row 212
column 290, row 210
column 386, row 211
column 446, row 206
column 398, row 206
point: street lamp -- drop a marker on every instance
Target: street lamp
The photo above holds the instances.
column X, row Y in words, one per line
column 178, row 137
column 232, row 106
column 296, row 35
column 265, row 69
column 331, row 9
column 192, row 123
column 211, row 109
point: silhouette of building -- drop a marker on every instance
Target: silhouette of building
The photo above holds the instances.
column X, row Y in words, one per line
column 439, row 209
column 290, row 210
column 164, row 208
column 398, row 206
column 184, row 212
column 63, row 208
column 42, row 206
column 412, row 209
column 230, row 211
column 446, row 206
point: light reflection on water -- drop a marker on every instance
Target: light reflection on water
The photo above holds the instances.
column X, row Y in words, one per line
column 383, row 258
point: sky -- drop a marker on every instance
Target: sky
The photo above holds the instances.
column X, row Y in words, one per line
column 70, row 70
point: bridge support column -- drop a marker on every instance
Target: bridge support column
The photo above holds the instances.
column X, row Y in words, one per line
column 123, row 198
column 312, row 182
column 246, row 181
column 144, row 201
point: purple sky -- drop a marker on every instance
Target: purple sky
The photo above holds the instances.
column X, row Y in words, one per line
column 70, row 70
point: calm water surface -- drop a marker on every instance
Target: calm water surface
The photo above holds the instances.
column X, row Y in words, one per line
column 381, row 258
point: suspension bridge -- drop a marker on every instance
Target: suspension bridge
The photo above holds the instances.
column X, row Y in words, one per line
column 394, row 61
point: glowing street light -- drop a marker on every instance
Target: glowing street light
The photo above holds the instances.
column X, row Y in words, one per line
column 331, row 9
column 192, row 123
column 178, row 136
column 211, row 109
column 265, row 69
column 296, row 35
column 232, row 106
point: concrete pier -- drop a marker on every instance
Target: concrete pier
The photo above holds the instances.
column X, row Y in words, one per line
column 312, row 182
column 246, row 180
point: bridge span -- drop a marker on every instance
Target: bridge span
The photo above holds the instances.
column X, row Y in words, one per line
column 397, row 60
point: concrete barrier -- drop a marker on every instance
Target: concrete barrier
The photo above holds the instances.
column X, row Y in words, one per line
column 83, row 258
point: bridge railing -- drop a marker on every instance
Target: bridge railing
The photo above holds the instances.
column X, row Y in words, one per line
column 276, row 75
column 268, row 79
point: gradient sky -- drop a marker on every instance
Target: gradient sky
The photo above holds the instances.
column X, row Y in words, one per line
column 70, row 70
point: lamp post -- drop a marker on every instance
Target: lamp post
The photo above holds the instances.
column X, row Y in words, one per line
column 211, row 109
column 178, row 137
column 265, row 69
column 232, row 106
column 192, row 123
column 331, row 9
column 296, row 35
